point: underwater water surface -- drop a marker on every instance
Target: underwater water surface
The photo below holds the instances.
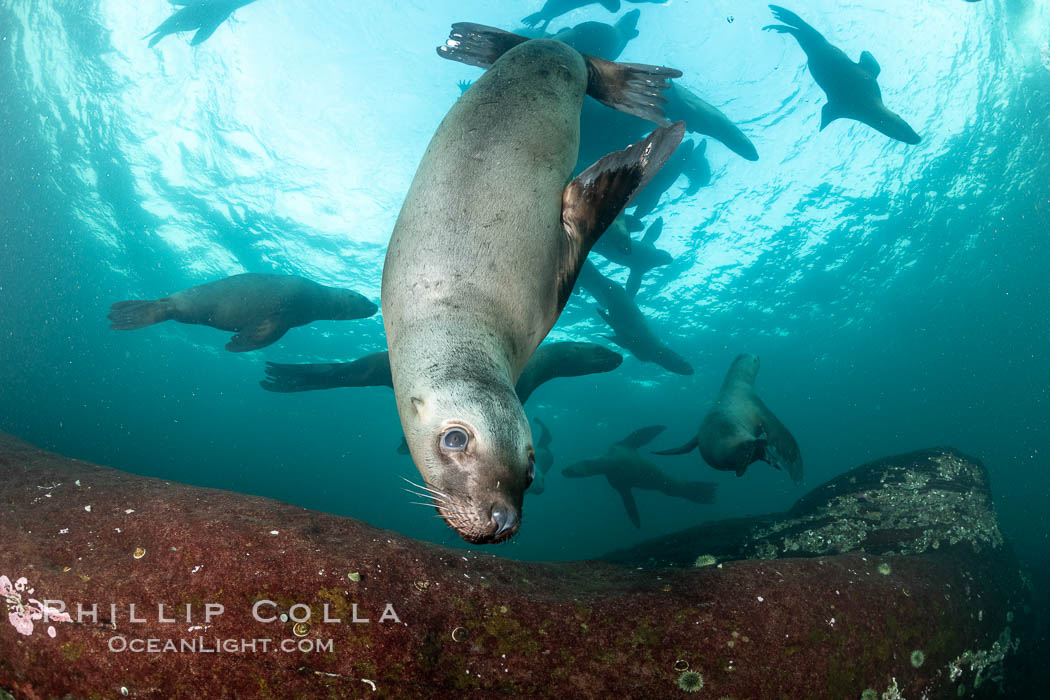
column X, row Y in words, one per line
column 897, row 295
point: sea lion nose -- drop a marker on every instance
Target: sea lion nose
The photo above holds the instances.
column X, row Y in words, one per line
column 504, row 517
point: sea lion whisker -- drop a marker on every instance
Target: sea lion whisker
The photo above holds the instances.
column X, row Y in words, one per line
column 426, row 495
column 426, row 488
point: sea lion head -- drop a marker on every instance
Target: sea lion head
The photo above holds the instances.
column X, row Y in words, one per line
column 472, row 444
column 348, row 304
column 744, row 368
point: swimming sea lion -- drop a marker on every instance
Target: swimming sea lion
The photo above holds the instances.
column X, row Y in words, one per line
column 544, row 459
column 851, row 88
column 600, row 39
column 705, row 118
column 370, row 370
column 486, row 251
column 625, row 469
column 550, row 361
column 740, row 430
column 630, row 327
column 203, row 15
column 642, row 256
column 557, row 8
column 260, row 308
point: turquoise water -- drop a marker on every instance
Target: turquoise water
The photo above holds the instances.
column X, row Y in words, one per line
column 896, row 294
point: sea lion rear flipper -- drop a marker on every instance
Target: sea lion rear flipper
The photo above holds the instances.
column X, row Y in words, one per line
column 630, row 506
column 596, row 196
column 129, row 315
column 269, row 331
column 829, row 113
column 693, row 443
column 641, row 437
column 868, row 63
column 633, row 88
column 796, row 25
column 781, row 450
column 479, row 45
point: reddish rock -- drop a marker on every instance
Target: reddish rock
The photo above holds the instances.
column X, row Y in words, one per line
column 474, row 625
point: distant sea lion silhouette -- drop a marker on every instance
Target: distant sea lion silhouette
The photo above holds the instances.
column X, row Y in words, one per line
column 557, row 8
column 485, row 253
column 600, row 39
column 204, row 16
column 852, row 89
column 630, row 327
column 704, row 118
column 739, row 430
column 642, row 256
column 259, row 308
column 625, row 469
column 550, row 361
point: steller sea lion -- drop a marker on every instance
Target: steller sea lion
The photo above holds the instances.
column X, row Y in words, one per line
column 557, row 8
column 486, row 251
column 852, row 89
column 642, row 255
column 740, row 430
column 203, row 15
column 631, row 330
column 600, row 39
column 550, row 361
column 260, row 308
column 625, row 469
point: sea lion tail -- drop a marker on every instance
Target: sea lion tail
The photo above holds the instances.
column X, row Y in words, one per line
column 633, row 88
column 129, row 315
column 477, row 44
column 697, row 491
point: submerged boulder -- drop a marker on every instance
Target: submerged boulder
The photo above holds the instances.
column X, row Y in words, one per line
column 889, row 581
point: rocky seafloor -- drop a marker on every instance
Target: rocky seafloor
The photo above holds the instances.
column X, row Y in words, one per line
column 890, row 581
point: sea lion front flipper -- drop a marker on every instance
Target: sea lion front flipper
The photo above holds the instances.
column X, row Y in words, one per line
column 693, row 443
column 259, row 336
column 642, row 436
column 781, row 450
column 206, row 29
column 630, row 506
column 477, row 44
column 829, row 113
column 868, row 63
column 599, row 194
column 633, row 88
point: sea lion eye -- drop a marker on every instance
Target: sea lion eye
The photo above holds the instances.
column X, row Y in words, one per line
column 454, row 439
